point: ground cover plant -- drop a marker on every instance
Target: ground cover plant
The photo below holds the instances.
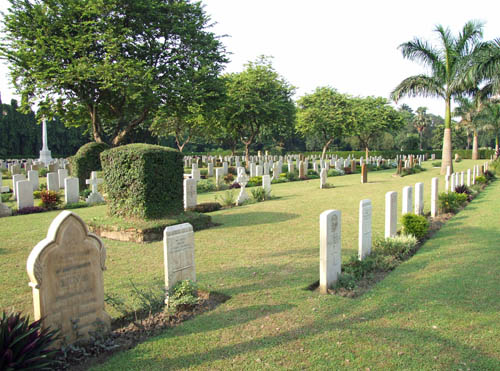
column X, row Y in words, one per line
column 434, row 311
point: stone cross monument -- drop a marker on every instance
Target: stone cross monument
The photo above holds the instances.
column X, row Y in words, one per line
column 45, row 156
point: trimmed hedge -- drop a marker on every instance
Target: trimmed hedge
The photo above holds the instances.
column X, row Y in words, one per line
column 86, row 160
column 143, row 181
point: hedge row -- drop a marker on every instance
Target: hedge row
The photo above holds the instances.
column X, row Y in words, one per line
column 86, row 160
column 143, row 181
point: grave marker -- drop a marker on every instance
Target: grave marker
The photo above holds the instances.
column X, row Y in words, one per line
column 190, row 193
column 419, row 198
column 434, row 196
column 330, row 249
column 391, row 214
column 407, row 200
column 365, row 229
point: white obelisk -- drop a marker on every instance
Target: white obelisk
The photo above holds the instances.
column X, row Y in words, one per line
column 45, row 156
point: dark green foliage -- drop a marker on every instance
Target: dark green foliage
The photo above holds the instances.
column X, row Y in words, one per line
column 227, row 198
column 25, row 346
column 254, row 181
column 206, row 185
column 481, row 180
column 229, row 178
column 86, row 160
column 334, row 172
column 416, row 225
column 76, row 205
column 436, row 164
column 30, row 210
column 207, row 207
column 259, row 194
column 292, row 176
column 143, row 181
column 465, row 190
column 489, row 175
column 413, row 170
column 451, row 202
column 183, row 296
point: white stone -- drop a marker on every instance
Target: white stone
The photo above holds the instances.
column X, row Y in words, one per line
column 461, row 178
column 453, row 184
column 45, row 155
column 94, row 197
column 266, row 183
column 391, row 214
column 178, row 253
column 243, row 195
column 448, row 170
column 225, row 167
column 16, row 178
column 190, row 193
column 66, row 275
column 330, row 258
column 24, row 192
column 291, row 167
column 407, row 200
column 252, row 169
column 62, row 174
column 447, row 183
column 419, row 198
column 71, row 190
column 365, row 229
column 33, row 178
column 468, row 177
column 434, row 196
column 219, row 176
column 210, row 171
column 259, row 170
column 52, row 182
column 195, row 174
column 323, row 177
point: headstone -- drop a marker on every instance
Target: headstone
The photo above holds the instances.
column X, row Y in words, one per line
column 3, row 189
column 53, row 182
column 448, row 170
column 323, row 176
column 434, row 196
column 66, row 275
column 190, row 193
column 219, row 176
column 62, row 174
column 15, row 169
column 391, row 214
column 330, row 249
column 243, row 195
column 407, row 200
column 302, row 172
column 71, row 190
column 33, row 178
column 291, row 168
column 95, row 196
column 419, row 198
column 253, row 170
column 353, row 166
column 24, row 193
column 365, row 229
column 259, row 171
column 225, row 167
column 16, row 178
column 468, row 177
column 178, row 253
column 266, row 183
column 210, row 171
column 461, row 178
column 364, row 174
column 452, row 184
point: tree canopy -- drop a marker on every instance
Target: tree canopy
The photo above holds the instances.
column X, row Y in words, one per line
column 109, row 64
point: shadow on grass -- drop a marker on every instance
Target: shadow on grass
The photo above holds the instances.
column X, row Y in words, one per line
column 252, row 218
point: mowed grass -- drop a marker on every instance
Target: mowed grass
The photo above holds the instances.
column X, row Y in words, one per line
column 437, row 311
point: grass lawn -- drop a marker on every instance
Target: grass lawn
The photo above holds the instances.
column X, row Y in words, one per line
column 438, row 310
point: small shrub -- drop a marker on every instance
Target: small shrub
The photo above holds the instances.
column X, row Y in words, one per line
column 227, row 198
column 235, row 185
column 232, row 170
column 401, row 247
column 334, row 172
column 25, row 346
column 5, row 197
column 76, row 205
column 50, row 199
column 458, row 159
column 481, row 180
column 203, row 172
column 229, row 178
column 495, row 167
column 416, row 225
column 207, row 207
column 489, row 176
column 183, row 296
column 84, row 193
column 451, row 202
column 42, row 186
column 292, row 176
column 465, row 190
column 206, row 185
column 30, row 210
column 311, row 172
column 259, row 194
column 43, row 172
column 254, row 181
column 280, row 180
column 37, row 195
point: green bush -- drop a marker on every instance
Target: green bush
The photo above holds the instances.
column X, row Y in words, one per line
column 207, row 207
column 495, row 167
column 416, row 225
column 254, row 181
column 227, row 198
column 333, row 172
column 206, row 185
column 86, row 160
column 401, row 247
column 489, row 176
column 436, row 164
column 451, row 202
column 183, row 296
column 43, row 172
column 143, row 181
column 292, row 176
column 259, row 194
column 50, row 199
column 481, row 180
column 25, row 346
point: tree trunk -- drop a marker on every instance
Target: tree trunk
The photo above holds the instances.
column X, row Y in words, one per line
column 325, row 147
column 475, row 153
column 420, row 140
column 96, row 132
column 247, row 154
column 468, row 140
column 446, row 159
column 123, row 133
column 366, row 152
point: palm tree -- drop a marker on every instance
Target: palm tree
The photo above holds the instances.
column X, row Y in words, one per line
column 468, row 110
column 445, row 78
column 420, row 122
column 490, row 118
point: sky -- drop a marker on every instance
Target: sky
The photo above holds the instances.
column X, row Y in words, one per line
column 351, row 45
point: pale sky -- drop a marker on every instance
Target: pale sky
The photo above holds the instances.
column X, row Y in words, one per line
column 349, row 45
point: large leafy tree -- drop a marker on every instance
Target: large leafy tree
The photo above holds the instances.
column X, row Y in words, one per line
column 372, row 117
column 445, row 79
column 325, row 114
column 108, row 64
column 489, row 117
column 258, row 100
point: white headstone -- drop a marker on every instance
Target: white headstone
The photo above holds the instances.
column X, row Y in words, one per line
column 266, row 183
column 453, row 184
column 33, row 178
column 71, row 190
column 225, row 167
column 434, row 196
column 330, row 258
column 461, row 178
column 210, row 171
column 419, row 198
column 322, row 177
column 16, row 178
column 391, row 214
column 95, row 196
column 407, row 200
column 52, row 182
column 24, row 192
column 66, row 275
column 447, row 183
column 178, row 252
column 62, row 174
column 365, row 229
column 259, row 170
column 243, row 195
column 468, row 177
column 190, row 193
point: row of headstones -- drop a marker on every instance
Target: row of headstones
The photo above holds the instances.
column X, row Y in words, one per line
column 23, row 188
column 66, row 275
column 453, row 180
column 15, row 166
